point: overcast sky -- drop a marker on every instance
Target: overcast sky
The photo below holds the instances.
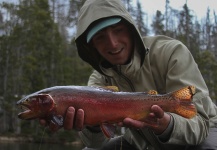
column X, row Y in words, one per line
column 198, row 7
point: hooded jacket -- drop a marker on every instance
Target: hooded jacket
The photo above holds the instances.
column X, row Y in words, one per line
column 159, row 63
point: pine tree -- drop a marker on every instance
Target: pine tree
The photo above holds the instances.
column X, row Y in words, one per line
column 186, row 30
column 207, row 30
column 158, row 25
column 139, row 19
column 214, row 35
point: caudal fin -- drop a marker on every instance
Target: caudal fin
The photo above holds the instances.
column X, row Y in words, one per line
column 186, row 108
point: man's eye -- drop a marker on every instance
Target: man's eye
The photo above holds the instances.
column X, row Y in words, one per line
column 98, row 37
column 118, row 29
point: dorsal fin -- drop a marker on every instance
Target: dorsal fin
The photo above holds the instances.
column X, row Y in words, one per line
column 111, row 88
column 152, row 92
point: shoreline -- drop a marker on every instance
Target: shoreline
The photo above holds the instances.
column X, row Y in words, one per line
column 11, row 139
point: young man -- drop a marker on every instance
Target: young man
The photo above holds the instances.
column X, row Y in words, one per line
column 107, row 38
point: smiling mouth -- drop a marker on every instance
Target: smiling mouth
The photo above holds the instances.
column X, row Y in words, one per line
column 115, row 52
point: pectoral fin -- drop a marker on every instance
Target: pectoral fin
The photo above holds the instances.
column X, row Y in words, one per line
column 58, row 120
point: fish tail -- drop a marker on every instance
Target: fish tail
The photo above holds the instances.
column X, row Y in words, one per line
column 186, row 108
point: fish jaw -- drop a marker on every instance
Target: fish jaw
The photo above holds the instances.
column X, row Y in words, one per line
column 35, row 106
column 27, row 115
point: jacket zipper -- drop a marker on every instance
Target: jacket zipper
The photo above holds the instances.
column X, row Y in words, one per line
column 118, row 70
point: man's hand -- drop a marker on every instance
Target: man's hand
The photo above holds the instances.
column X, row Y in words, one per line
column 157, row 120
column 73, row 120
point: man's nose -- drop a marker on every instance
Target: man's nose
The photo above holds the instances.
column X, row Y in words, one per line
column 112, row 39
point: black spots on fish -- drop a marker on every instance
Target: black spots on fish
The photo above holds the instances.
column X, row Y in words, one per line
column 185, row 93
column 187, row 110
column 169, row 98
column 156, row 99
column 161, row 98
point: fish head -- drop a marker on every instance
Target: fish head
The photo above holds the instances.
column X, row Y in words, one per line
column 35, row 106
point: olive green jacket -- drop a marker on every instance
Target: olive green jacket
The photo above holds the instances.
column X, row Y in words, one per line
column 166, row 65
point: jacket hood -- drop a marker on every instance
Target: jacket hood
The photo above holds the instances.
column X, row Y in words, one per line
column 93, row 11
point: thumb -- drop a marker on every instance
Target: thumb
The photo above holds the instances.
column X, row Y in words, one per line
column 157, row 111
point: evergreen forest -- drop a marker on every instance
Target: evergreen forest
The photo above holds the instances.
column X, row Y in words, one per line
column 37, row 50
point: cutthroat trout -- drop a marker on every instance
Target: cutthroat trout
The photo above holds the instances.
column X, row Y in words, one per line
column 103, row 105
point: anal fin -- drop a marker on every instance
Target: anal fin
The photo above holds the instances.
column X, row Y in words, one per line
column 108, row 130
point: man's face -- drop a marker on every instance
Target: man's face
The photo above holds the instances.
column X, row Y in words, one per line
column 114, row 43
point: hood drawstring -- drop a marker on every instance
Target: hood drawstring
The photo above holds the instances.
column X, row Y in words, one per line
column 117, row 69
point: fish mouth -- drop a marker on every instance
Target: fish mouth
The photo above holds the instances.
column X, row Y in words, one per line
column 24, row 107
column 26, row 113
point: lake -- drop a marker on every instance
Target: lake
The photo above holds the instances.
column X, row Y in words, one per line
column 37, row 146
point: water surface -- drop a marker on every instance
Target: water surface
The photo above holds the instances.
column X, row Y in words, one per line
column 37, row 146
